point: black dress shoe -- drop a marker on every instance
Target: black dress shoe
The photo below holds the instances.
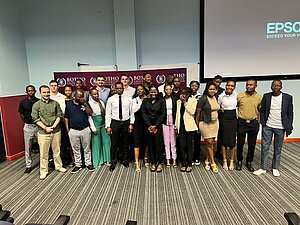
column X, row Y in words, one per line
column 126, row 164
column 112, row 167
column 28, row 170
column 249, row 166
column 239, row 165
column 51, row 163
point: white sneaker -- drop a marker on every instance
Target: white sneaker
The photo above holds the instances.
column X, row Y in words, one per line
column 43, row 176
column 276, row 173
column 61, row 169
column 259, row 172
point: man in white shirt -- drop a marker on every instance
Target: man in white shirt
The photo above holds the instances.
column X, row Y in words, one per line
column 276, row 118
column 128, row 90
column 119, row 120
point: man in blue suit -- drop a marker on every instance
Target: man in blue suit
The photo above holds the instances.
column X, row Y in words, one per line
column 276, row 118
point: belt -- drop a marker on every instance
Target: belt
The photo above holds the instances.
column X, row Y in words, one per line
column 78, row 129
column 248, row 121
column 120, row 121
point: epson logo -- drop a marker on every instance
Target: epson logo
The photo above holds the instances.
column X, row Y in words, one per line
column 287, row 27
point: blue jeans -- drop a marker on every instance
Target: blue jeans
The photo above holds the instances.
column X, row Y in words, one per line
column 267, row 135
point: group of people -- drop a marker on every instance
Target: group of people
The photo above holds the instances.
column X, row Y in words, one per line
column 105, row 126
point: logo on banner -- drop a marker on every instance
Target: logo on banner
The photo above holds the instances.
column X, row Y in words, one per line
column 130, row 80
column 93, row 81
column 61, row 82
column 160, row 79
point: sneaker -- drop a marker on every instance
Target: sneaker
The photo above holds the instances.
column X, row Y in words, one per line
column 259, row 172
column 43, row 176
column 90, row 168
column 76, row 169
column 61, row 169
column 197, row 162
column 276, row 173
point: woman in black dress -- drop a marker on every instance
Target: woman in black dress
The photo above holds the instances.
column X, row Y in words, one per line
column 139, row 131
column 153, row 111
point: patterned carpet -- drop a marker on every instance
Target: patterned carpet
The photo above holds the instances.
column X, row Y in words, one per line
column 172, row 197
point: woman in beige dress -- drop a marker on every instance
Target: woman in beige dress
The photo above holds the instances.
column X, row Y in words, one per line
column 207, row 121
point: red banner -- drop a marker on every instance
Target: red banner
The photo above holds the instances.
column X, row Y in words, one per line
column 135, row 77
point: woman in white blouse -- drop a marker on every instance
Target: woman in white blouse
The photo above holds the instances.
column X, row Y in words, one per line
column 100, row 139
column 228, row 122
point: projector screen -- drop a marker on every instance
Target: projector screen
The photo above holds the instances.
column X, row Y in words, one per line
column 250, row 38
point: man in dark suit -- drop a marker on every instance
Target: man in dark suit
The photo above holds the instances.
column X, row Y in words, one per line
column 276, row 118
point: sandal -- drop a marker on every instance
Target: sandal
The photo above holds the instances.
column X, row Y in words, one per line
column 214, row 168
column 137, row 167
column 207, row 167
column 225, row 167
column 168, row 163
column 146, row 161
column 231, row 165
column 174, row 163
column 183, row 169
column 188, row 169
column 159, row 168
column 153, row 168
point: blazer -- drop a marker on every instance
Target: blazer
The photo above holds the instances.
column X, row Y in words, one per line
column 287, row 113
column 188, row 116
column 174, row 107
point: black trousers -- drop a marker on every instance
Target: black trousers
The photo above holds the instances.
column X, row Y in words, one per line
column 119, row 140
column 186, row 147
column 251, row 130
column 219, row 144
column 197, row 141
column 155, row 146
column 65, row 143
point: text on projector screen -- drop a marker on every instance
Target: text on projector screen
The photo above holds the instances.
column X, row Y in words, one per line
column 287, row 27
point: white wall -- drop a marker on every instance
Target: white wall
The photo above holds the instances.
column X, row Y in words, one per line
column 167, row 31
column 60, row 33
column 13, row 62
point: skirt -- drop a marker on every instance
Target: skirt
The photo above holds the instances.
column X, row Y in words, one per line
column 209, row 130
column 228, row 128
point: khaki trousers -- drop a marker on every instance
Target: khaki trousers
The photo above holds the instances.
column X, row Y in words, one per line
column 45, row 141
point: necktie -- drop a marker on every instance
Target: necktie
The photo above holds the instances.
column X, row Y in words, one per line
column 120, row 107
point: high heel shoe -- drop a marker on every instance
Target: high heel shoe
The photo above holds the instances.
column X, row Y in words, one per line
column 146, row 161
column 231, row 165
column 137, row 167
column 207, row 167
column 225, row 167
column 214, row 168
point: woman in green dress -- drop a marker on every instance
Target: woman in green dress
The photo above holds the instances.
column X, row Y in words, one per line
column 100, row 140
